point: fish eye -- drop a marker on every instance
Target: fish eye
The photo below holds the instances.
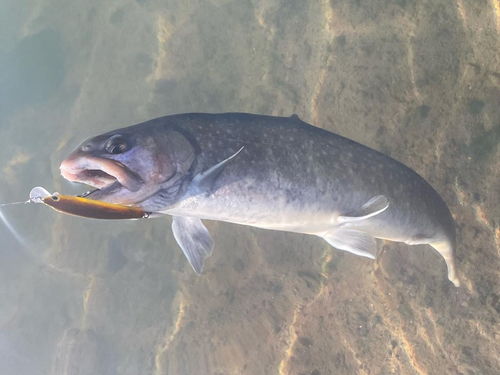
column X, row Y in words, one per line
column 116, row 145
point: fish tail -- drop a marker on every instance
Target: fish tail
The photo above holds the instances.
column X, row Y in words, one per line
column 446, row 249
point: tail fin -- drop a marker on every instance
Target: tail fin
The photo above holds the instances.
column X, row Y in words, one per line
column 446, row 249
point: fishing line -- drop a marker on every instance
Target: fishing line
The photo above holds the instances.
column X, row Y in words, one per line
column 13, row 203
column 26, row 245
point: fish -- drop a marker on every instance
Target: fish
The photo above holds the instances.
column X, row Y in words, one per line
column 276, row 173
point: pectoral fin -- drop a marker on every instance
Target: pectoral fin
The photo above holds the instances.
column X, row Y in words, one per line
column 373, row 207
column 204, row 181
column 194, row 240
column 354, row 241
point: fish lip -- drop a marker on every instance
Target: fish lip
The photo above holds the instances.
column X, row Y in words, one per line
column 99, row 172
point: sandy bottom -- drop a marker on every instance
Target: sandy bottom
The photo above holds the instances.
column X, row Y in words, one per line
column 417, row 80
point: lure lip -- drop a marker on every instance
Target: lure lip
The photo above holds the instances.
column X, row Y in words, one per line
column 38, row 194
column 99, row 173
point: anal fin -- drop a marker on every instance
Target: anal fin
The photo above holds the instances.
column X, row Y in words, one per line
column 194, row 240
column 353, row 241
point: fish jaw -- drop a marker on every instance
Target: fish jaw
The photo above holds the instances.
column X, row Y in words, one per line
column 113, row 181
column 99, row 172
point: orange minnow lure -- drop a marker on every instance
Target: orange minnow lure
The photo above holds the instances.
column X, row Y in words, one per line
column 83, row 207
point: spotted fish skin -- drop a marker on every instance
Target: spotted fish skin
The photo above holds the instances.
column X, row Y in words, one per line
column 291, row 176
column 289, row 166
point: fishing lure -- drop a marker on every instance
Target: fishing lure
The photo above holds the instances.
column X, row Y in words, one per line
column 83, row 207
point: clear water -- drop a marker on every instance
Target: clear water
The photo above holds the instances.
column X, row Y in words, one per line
column 416, row 80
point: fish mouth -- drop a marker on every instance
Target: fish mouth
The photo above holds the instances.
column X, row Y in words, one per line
column 100, row 173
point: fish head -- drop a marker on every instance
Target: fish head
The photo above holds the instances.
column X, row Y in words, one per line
column 129, row 165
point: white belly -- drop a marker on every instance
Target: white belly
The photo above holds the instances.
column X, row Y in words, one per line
column 311, row 221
